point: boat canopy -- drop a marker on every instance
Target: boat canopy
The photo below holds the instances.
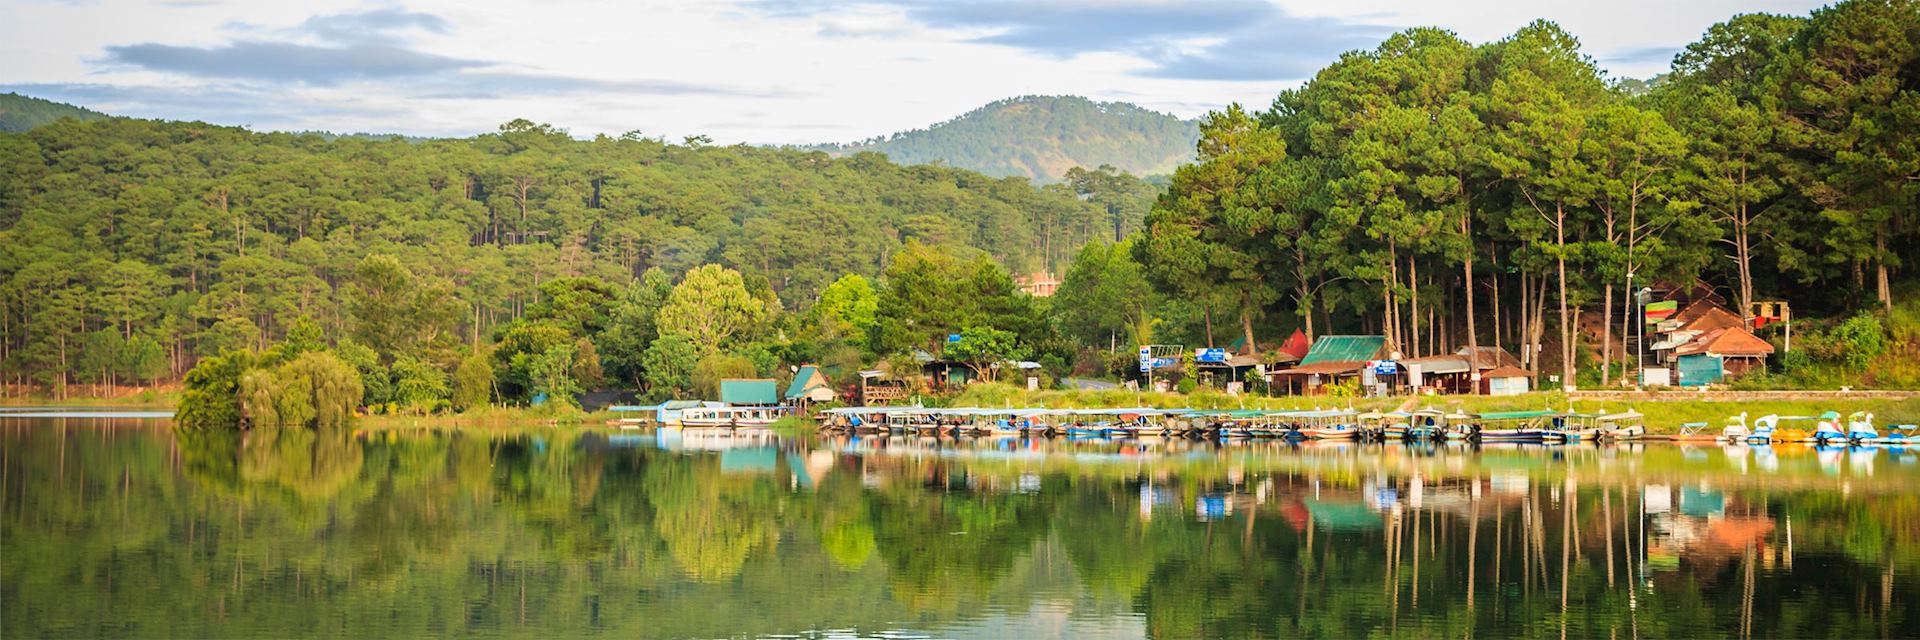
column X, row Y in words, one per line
column 1518, row 415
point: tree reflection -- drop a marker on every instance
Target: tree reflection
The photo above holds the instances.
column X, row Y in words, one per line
column 561, row 532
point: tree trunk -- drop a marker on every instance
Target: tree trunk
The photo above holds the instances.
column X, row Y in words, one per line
column 1466, row 280
column 1246, row 321
column 1566, row 327
column 1606, row 341
column 1413, row 277
column 1882, row 283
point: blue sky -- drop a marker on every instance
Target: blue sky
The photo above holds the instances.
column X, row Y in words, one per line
column 757, row 71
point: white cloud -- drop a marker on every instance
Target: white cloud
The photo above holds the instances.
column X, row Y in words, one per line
column 767, row 71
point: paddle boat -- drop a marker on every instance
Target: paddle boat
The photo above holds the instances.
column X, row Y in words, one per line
column 1626, row 425
column 1694, row 432
column 1897, row 439
column 1860, row 428
column 1764, row 428
column 1829, row 430
column 1736, row 430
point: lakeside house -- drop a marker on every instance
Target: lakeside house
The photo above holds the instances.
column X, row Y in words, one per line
column 1330, row 360
column 1453, row 373
column 809, row 386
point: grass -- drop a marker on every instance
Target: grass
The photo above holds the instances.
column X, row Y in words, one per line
column 1665, row 413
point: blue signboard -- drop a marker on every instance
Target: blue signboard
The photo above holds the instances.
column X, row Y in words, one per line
column 1211, row 355
column 1385, row 367
column 953, row 337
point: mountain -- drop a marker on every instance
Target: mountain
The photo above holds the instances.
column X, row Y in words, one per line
column 20, row 113
column 1041, row 137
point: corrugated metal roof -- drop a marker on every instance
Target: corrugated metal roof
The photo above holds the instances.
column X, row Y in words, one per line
column 802, row 380
column 750, row 392
column 1344, row 348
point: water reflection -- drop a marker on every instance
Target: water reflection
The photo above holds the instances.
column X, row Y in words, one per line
column 114, row 528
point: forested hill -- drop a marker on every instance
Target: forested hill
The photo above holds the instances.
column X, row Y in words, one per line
column 20, row 113
column 200, row 235
column 1041, row 137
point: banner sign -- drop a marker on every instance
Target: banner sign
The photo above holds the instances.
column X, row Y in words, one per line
column 1210, row 355
column 1385, row 367
column 1661, row 310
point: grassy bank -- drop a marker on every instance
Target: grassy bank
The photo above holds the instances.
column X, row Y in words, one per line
column 1664, row 413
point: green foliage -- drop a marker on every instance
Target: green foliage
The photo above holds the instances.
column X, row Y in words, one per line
column 473, row 382
column 670, row 362
column 710, row 307
column 376, row 381
column 710, row 370
column 420, row 387
column 984, row 348
column 397, row 313
column 211, row 399
column 1042, row 137
column 1104, row 300
column 315, row 391
column 550, row 373
column 1859, row 340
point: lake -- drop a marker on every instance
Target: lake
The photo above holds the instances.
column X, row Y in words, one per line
column 122, row 527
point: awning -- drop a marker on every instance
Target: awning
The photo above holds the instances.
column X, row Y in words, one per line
column 1431, row 365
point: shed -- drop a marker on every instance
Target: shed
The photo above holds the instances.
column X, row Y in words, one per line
column 750, row 392
column 1506, row 381
column 808, row 386
column 1712, row 318
column 879, row 388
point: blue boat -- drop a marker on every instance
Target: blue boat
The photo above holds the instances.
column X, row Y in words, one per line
column 1829, row 430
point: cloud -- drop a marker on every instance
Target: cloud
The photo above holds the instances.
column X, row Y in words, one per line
column 500, row 84
column 1642, row 55
column 1228, row 40
column 286, row 62
column 374, row 46
column 378, row 26
column 212, row 103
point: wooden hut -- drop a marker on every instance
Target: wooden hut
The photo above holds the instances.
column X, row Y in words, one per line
column 1506, row 381
column 1453, row 373
column 1719, row 355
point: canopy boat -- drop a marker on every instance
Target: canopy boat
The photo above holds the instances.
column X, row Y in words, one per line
column 1860, row 428
column 1571, row 427
column 1626, row 425
column 1393, row 426
column 733, row 416
column 1514, row 426
column 1336, row 424
column 1829, row 430
column 1459, row 426
column 1427, row 424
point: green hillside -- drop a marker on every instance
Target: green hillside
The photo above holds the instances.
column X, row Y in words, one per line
column 20, row 113
column 1041, row 137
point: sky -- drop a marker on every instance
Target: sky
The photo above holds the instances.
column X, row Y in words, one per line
column 753, row 71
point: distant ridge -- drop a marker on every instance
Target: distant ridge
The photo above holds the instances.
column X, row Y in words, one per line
column 20, row 113
column 1041, row 137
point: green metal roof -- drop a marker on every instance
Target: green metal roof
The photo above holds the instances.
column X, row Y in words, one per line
column 1516, row 415
column 800, row 381
column 1344, row 349
column 750, row 392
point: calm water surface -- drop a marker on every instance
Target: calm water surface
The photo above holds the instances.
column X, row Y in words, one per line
column 126, row 528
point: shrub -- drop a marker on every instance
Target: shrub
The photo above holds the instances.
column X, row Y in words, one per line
column 1860, row 339
column 473, row 382
column 211, row 398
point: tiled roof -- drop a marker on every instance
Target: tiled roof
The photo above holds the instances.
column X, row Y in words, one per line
column 1731, row 341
